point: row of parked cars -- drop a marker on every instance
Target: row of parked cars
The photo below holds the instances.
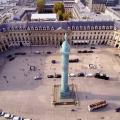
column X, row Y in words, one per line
column 54, row 76
column 101, row 76
column 12, row 57
column 73, row 60
column 38, row 52
column 96, row 75
column 70, row 61
column 12, row 117
column 82, row 74
column 85, row 51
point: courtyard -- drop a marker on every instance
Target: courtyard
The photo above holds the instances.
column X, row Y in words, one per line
column 23, row 96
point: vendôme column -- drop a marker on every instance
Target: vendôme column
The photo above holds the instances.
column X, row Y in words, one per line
column 65, row 51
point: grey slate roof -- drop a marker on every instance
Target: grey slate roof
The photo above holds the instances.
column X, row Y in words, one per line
column 55, row 25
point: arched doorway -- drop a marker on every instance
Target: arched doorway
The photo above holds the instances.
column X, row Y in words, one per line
column 21, row 44
column 60, row 42
column 103, row 42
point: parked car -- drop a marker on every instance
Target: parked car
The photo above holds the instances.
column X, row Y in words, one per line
column 48, row 52
column 8, row 56
column 37, row 78
column 2, row 113
column 57, row 75
column 84, row 51
column 11, row 117
column 72, row 75
column 117, row 109
column 17, row 118
column 79, row 51
column 89, row 75
column 73, row 60
column 92, row 47
column 20, row 53
column 101, row 76
column 53, row 61
column 27, row 119
column 90, row 51
column 36, row 52
column 50, row 76
column 7, row 116
column 81, row 74
column 12, row 58
column 92, row 66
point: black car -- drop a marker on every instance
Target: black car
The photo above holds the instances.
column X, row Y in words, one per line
column 81, row 75
column 79, row 51
column 57, row 75
column 9, row 56
column 53, row 61
column 117, row 109
column 50, row 76
column 97, row 75
column 92, row 47
column 48, row 52
column 12, row 58
column 85, row 51
column 73, row 60
column 90, row 51
column 20, row 53
column 101, row 76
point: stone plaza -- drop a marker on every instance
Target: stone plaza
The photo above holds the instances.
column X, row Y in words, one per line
column 23, row 96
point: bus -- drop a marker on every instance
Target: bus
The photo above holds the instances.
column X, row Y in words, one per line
column 97, row 105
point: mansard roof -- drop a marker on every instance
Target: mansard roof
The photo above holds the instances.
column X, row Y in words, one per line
column 117, row 25
column 54, row 25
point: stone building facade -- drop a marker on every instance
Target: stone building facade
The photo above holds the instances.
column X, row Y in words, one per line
column 52, row 33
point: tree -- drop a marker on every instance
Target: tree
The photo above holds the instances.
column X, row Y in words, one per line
column 58, row 6
column 60, row 14
column 65, row 16
column 40, row 5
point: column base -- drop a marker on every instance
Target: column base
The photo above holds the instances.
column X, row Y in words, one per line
column 65, row 95
column 65, row 98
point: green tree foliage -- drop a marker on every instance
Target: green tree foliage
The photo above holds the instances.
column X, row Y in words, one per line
column 60, row 14
column 58, row 6
column 40, row 5
column 70, row 15
column 65, row 16
column 60, row 10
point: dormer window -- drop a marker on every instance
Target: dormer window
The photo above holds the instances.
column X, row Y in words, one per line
column 80, row 27
column 40, row 28
column 48, row 28
column 96, row 27
column 12, row 28
column 103, row 27
column 111, row 27
column 36, row 28
column 88, row 27
column 107, row 27
column 44, row 28
column 99, row 27
column 32, row 28
column 28, row 28
column 84, row 27
column 77, row 28
column 92, row 28
column 52, row 28
column 68, row 28
column 73, row 28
